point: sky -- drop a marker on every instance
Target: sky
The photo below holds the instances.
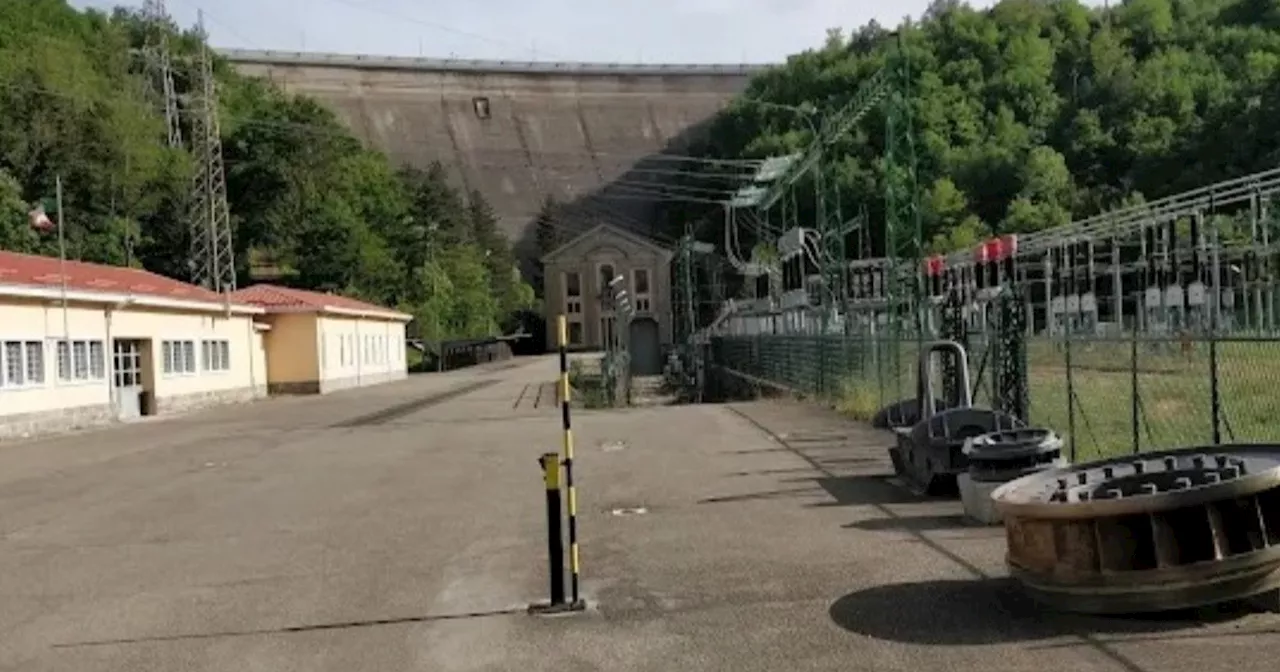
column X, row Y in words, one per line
column 634, row 31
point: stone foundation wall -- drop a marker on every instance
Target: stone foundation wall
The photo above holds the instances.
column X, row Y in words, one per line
column 304, row 387
column 193, row 402
column 29, row 425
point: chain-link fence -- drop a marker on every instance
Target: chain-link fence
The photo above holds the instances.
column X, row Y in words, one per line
column 1106, row 396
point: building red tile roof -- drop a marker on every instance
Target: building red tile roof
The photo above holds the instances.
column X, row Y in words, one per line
column 29, row 270
column 275, row 298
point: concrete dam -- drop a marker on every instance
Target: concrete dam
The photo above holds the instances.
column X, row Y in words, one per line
column 518, row 132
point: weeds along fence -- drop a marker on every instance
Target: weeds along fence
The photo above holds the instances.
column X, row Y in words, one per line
column 1106, row 396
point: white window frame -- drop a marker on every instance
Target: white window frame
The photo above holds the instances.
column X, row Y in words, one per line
column 174, row 351
column 64, row 374
column 26, row 346
column 215, row 355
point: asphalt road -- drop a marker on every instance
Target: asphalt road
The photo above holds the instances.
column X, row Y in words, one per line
column 398, row 529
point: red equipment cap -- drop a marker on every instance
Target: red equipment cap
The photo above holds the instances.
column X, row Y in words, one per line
column 1009, row 245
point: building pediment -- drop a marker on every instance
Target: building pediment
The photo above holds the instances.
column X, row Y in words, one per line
column 603, row 240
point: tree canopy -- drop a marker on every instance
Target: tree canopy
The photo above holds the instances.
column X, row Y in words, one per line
column 306, row 200
column 1034, row 112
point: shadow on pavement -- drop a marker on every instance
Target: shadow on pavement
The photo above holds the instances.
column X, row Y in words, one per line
column 918, row 524
column 986, row 611
column 771, row 494
column 865, row 491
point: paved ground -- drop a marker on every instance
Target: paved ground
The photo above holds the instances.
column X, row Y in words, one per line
column 357, row 533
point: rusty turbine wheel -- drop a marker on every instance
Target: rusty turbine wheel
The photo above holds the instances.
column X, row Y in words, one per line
column 1146, row 533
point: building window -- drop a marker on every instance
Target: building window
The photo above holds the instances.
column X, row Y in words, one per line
column 641, row 282
column 575, row 333
column 642, row 305
column 481, row 105
column 33, row 353
column 63, row 357
column 73, row 360
column 215, row 355
column 572, row 284
column 179, row 357
column 80, row 360
column 21, row 363
column 97, row 360
column 606, row 276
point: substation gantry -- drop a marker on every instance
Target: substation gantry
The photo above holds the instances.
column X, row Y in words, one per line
column 1191, row 263
column 815, row 283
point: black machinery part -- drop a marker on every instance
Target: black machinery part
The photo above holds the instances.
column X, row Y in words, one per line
column 931, row 454
column 1153, row 532
column 1005, row 455
column 905, row 413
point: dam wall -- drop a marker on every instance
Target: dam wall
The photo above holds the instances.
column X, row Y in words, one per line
column 516, row 132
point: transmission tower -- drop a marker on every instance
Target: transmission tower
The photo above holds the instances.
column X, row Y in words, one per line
column 212, row 259
column 904, row 244
column 159, row 66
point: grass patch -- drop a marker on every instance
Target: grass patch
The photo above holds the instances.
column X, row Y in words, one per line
column 1174, row 386
column 858, row 398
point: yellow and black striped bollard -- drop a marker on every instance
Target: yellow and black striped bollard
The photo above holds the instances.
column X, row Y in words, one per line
column 574, row 568
column 551, row 468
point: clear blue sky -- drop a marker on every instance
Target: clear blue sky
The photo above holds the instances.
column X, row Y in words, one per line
column 651, row 31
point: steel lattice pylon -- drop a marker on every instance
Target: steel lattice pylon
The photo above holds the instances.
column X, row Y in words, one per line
column 159, row 66
column 903, row 232
column 212, row 253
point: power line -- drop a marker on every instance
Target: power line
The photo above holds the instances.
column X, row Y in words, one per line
column 441, row 27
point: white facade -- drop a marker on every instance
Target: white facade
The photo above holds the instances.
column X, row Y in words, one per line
column 357, row 351
column 102, row 359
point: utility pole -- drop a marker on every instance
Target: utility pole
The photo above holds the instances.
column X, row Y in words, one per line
column 212, row 259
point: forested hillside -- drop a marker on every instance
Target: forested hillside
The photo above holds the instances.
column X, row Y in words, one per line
column 305, row 198
column 1039, row 110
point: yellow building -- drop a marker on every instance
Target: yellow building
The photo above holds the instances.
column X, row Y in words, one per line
column 319, row 343
column 84, row 344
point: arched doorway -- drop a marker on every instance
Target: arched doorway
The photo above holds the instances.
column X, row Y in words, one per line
column 646, row 347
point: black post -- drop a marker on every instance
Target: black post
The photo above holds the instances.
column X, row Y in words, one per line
column 1135, row 419
column 1071, row 397
column 550, row 463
